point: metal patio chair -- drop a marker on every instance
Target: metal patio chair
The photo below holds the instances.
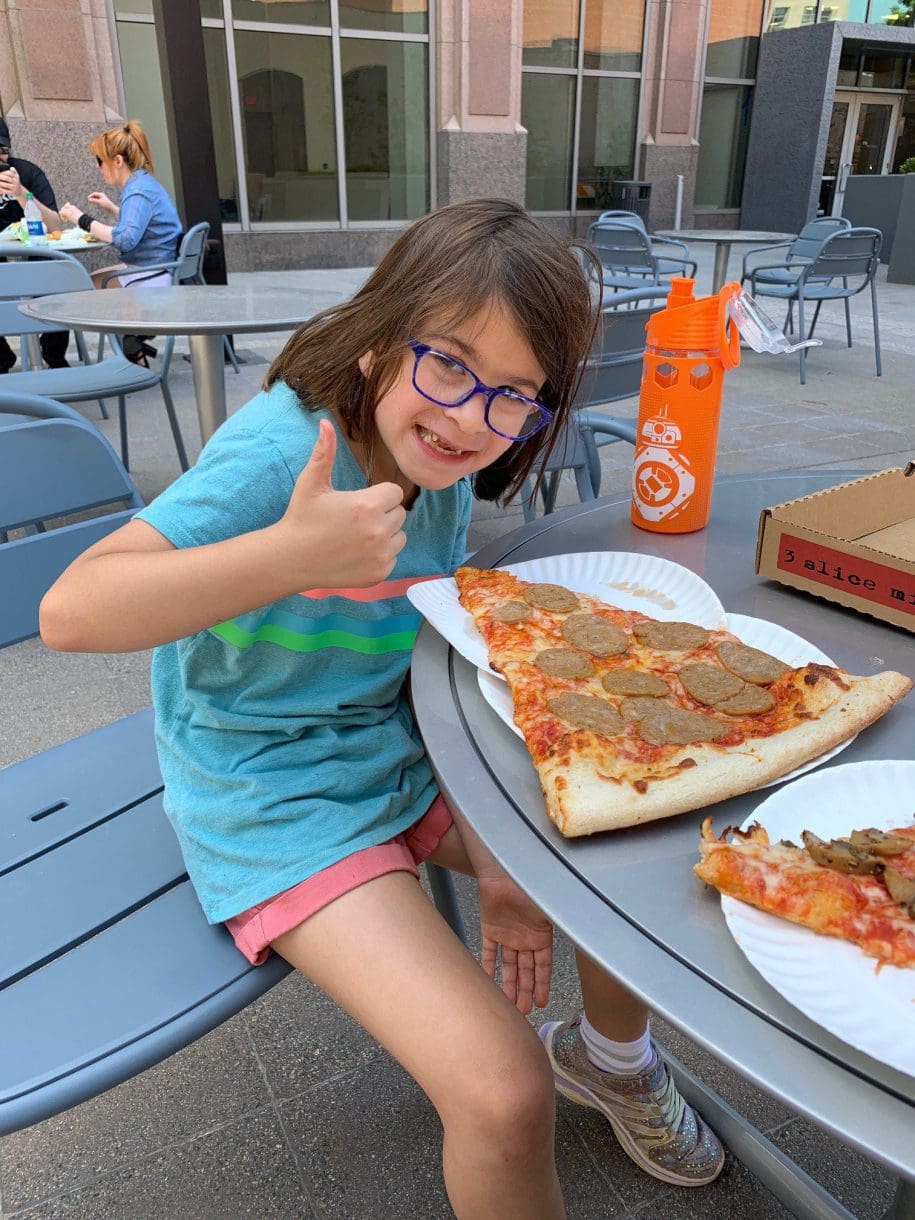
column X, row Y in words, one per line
column 187, row 268
column 666, row 266
column 113, row 377
column 612, row 373
column 801, row 250
column 846, row 265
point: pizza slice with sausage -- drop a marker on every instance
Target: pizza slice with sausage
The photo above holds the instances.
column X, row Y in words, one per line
column 629, row 718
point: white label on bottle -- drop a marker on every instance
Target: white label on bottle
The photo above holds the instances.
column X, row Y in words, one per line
column 36, row 230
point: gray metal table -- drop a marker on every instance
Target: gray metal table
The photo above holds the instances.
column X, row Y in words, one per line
column 203, row 312
column 667, row 940
column 724, row 239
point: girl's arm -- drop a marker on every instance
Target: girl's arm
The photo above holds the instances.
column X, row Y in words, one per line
column 134, row 589
column 97, row 229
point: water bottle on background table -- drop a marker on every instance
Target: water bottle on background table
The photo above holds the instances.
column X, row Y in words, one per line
column 34, row 225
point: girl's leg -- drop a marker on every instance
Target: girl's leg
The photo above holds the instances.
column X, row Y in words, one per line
column 385, row 955
column 612, row 1010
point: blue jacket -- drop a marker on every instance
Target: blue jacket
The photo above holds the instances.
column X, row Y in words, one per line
column 148, row 228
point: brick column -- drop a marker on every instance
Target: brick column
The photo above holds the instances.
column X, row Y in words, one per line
column 671, row 103
column 481, row 145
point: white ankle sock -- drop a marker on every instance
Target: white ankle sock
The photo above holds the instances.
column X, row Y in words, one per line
column 620, row 1058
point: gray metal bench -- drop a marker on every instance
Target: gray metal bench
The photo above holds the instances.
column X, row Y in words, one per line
column 107, row 964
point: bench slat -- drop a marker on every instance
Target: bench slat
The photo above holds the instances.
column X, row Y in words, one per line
column 92, row 776
column 119, row 1003
column 71, row 891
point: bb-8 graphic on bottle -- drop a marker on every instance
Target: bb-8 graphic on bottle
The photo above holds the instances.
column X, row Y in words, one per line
column 661, row 479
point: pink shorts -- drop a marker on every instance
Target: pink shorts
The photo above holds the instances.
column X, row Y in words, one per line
column 254, row 929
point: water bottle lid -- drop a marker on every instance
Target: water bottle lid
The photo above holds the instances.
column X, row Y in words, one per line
column 689, row 325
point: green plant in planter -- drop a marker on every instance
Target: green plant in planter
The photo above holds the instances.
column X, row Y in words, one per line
column 908, row 166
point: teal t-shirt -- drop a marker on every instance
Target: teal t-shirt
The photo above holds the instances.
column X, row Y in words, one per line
column 285, row 737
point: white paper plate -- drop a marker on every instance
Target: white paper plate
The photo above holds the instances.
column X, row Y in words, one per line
column 757, row 632
column 646, row 583
column 832, row 982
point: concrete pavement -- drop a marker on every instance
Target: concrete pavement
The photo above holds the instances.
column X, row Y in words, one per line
column 290, row 1110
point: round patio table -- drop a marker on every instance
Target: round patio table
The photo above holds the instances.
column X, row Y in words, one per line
column 723, row 240
column 630, row 899
column 203, row 312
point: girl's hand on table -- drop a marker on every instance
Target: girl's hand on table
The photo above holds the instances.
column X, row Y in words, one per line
column 340, row 539
column 510, row 923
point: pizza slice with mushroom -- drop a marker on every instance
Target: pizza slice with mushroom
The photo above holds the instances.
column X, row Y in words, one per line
column 860, row 888
column 629, row 718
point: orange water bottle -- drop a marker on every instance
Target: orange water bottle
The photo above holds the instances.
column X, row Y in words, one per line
column 690, row 345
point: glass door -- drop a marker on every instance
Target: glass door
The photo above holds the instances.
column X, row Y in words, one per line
column 862, row 133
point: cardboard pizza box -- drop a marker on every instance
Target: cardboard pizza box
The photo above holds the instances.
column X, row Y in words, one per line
column 853, row 544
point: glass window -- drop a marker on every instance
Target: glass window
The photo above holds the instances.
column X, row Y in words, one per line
column 285, row 86
column 848, row 66
column 905, row 145
column 283, row 12
column 613, row 34
column 395, row 16
column 385, row 121
column 214, row 47
column 550, row 33
column 733, row 38
column 723, row 134
column 842, row 10
column 899, row 13
column 143, row 93
column 606, row 136
column 883, row 71
column 208, row 8
column 547, row 111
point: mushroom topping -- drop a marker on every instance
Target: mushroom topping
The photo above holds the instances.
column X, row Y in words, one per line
column 586, row 712
column 564, row 663
column 750, row 663
column 881, row 842
column 901, row 888
column 670, row 637
column 634, row 682
column 512, row 611
column 749, row 701
column 709, row 683
column 551, row 597
column 594, row 634
column 840, row 855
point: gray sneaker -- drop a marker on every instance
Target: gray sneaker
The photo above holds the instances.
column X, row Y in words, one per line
column 655, row 1127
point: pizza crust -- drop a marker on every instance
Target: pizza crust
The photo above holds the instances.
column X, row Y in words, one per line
column 581, row 799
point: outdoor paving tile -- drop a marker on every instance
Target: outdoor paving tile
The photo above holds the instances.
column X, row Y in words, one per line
column 303, row 1038
column 242, row 1169
column 736, row 1195
column 369, row 1145
column 214, row 1081
column 859, row 1183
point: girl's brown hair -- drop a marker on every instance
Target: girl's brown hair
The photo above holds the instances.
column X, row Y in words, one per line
column 128, row 141
column 446, row 266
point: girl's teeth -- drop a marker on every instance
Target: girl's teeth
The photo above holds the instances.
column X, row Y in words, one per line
column 436, row 442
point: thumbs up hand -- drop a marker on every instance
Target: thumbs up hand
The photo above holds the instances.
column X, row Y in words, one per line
column 340, row 539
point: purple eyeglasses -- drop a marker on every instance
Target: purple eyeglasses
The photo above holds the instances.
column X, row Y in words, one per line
column 449, row 383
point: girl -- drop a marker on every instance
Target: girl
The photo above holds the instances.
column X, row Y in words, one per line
column 146, row 231
column 293, row 772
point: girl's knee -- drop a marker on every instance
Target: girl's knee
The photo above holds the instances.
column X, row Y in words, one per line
column 509, row 1105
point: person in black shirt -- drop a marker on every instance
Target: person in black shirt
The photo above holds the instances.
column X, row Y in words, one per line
column 16, row 177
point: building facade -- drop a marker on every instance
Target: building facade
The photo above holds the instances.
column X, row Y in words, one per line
column 337, row 121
